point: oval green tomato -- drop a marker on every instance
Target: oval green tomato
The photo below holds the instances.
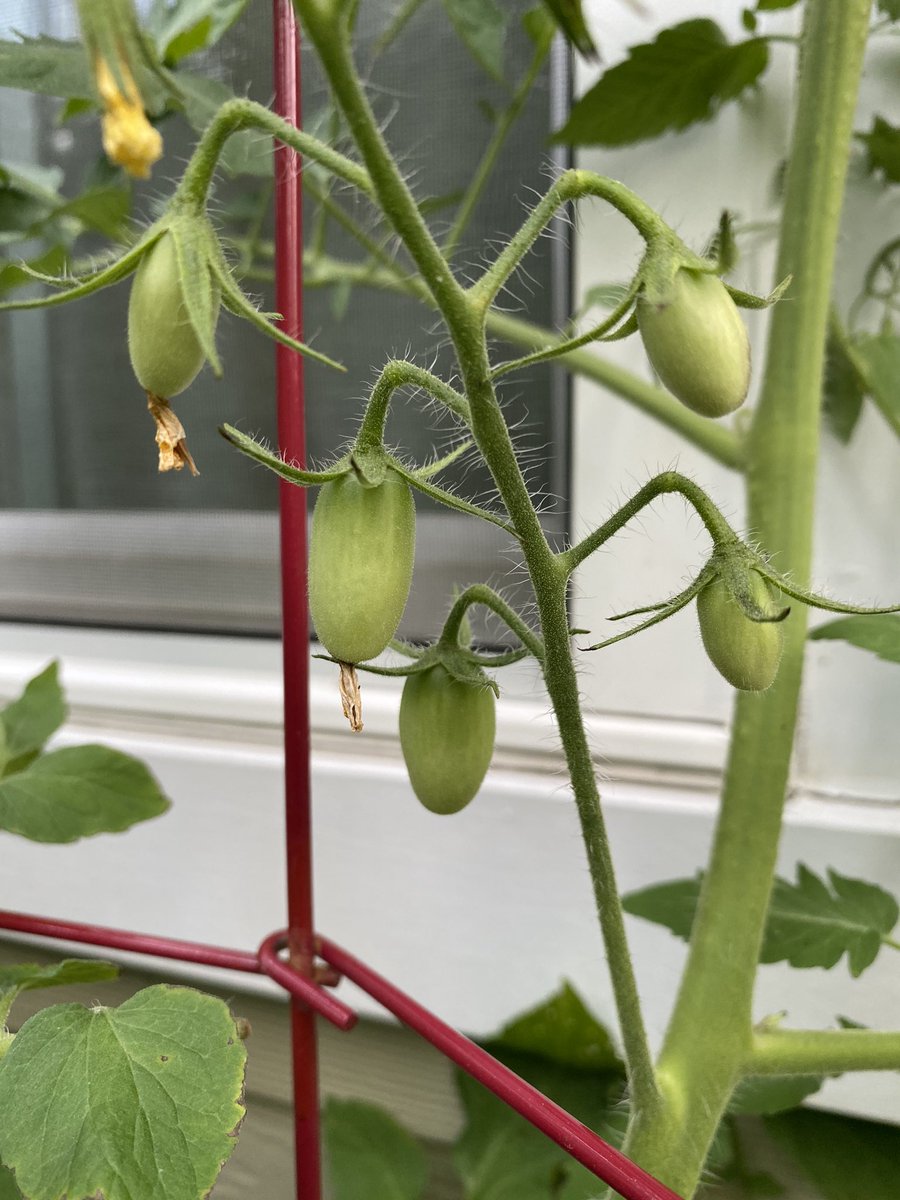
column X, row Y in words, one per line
column 746, row 652
column 361, row 552
column 447, row 737
column 165, row 354
column 698, row 344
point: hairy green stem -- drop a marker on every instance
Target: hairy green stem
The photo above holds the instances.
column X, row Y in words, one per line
column 709, row 1039
column 479, row 593
column 238, row 114
column 571, row 185
column 464, row 317
column 667, row 483
column 823, row 1051
column 397, row 374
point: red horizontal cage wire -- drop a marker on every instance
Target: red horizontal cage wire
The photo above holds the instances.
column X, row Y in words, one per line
column 315, row 962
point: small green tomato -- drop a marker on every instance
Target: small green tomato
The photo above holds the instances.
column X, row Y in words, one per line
column 361, row 552
column 698, row 344
column 746, row 652
column 165, row 354
column 447, row 737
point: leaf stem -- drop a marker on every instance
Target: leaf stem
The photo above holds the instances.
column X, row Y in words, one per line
column 823, row 1051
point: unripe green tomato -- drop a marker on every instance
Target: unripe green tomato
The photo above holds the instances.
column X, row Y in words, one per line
column 698, row 344
column 447, row 737
column 361, row 552
column 746, row 652
column 165, row 354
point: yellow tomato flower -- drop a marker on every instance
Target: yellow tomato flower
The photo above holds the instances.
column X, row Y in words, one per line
column 129, row 139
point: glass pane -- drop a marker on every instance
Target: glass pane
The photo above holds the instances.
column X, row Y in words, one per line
column 90, row 531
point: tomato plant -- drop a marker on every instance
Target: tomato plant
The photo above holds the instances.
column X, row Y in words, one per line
column 682, row 303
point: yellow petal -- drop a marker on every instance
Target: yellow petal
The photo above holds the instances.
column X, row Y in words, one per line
column 129, row 139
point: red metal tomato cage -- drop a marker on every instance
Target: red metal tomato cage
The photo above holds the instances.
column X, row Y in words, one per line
column 314, row 963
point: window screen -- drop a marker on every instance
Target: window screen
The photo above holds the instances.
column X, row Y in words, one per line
column 89, row 532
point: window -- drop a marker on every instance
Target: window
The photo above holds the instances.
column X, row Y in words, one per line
column 90, row 533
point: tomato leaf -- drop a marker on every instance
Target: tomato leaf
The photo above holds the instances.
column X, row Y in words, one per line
column 879, row 635
column 76, row 792
column 809, row 924
column 27, row 723
column 882, row 144
column 370, row 1156
column 46, row 65
column 482, row 26
column 844, row 1158
column 140, row 1100
column 681, row 78
column 563, row 1030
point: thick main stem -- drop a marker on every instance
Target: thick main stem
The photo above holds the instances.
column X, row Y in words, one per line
column 709, row 1038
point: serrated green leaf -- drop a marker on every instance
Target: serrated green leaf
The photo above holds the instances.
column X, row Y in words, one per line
column 763, row 1094
column 681, row 78
column 563, row 1030
column 370, row 1156
column 843, row 389
column 482, row 26
column 142, row 1100
column 45, row 65
column 749, row 21
column 808, row 925
column 76, row 792
column 845, row 1159
column 37, row 714
column 879, row 635
column 882, row 144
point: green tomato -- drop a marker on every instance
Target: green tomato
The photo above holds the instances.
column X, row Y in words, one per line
column 165, row 354
column 361, row 552
column 447, row 737
column 746, row 652
column 698, row 344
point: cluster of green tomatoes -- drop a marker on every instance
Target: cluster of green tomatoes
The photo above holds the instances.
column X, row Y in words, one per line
column 362, row 543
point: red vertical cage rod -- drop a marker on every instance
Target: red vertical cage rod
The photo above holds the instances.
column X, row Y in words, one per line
column 295, row 619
